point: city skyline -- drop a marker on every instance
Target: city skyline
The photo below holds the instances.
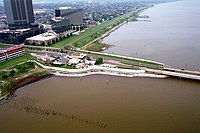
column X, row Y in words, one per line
column 57, row 1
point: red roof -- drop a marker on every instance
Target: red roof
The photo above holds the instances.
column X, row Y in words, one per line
column 14, row 48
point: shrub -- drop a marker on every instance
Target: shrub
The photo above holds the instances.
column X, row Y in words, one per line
column 99, row 61
column 4, row 76
column 12, row 73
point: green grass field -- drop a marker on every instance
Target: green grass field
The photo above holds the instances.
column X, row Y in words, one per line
column 4, row 46
column 16, row 61
column 95, row 31
column 96, row 46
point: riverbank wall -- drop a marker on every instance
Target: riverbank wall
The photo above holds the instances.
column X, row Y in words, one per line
column 28, row 80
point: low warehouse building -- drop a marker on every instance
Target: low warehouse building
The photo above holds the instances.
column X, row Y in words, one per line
column 44, row 39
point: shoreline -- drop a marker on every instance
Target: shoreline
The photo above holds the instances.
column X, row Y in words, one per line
column 145, row 75
column 106, row 34
column 99, row 70
column 82, row 73
column 21, row 83
column 123, row 23
column 28, row 80
column 120, row 25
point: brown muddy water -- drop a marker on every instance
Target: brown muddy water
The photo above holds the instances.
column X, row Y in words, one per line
column 171, row 36
column 93, row 105
column 121, row 105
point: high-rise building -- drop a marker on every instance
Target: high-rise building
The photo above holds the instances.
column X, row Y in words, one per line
column 21, row 23
column 75, row 16
column 19, row 13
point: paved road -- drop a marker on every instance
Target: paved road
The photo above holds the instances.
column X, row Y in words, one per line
column 176, row 73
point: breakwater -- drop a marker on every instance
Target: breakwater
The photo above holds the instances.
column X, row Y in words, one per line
column 29, row 105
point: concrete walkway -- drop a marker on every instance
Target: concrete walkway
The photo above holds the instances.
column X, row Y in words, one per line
column 98, row 70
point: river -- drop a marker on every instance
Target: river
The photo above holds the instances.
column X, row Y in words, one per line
column 126, row 105
column 107, row 104
column 172, row 36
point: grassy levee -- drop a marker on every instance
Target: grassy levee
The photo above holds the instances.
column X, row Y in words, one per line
column 96, row 46
column 95, row 31
column 16, row 61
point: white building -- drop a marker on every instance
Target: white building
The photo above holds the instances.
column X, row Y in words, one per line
column 2, row 56
column 11, row 53
column 44, row 39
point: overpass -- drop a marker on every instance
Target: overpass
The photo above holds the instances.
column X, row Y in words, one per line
column 181, row 73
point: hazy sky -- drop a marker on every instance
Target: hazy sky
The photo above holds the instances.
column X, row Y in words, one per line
column 1, row 1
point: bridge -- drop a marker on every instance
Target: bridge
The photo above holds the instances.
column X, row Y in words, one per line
column 181, row 73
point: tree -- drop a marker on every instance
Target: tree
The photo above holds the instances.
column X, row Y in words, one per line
column 33, row 44
column 76, row 44
column 4, row 76
column 31, row 64
column 99, row 61
column 48, row 42
column 53, row 41
column 6, row 87
column 12, row 73
column 42, row 43
column 23, row 69
column 26, row 42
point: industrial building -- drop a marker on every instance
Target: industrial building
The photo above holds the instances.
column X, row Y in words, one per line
column 17, row 36
column 60, row 24
column 75, row 17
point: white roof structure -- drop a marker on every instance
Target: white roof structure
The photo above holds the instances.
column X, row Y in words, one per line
column 74, row 61
column 42, row 57
column 15, row 31
column 64, row 8
column 57, row 19
column 44, row 37
column 82, row 55
column 78, row 56
column 88, row 62
column 57, row 63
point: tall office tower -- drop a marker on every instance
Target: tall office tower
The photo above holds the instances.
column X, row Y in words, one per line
column 75, row 16
column 19, row 13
